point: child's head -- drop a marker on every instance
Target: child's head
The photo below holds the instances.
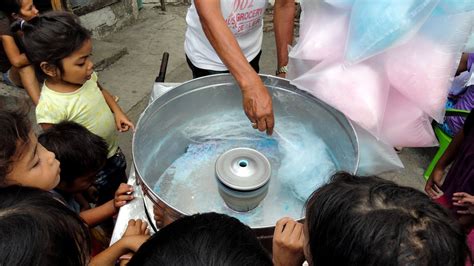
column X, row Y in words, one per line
column 37, row 229
column 81, row 154
column 19, row 9
column 203, row 239
column 370, row 221
column 24, row 161
column 58, row 46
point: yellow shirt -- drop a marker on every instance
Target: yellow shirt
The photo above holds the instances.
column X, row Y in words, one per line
column 85, row 106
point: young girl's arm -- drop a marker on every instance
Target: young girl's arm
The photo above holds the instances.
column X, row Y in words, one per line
column 99, row 214
column 121, row 120
column 16, row 58
column 135, row 235
column 434, row 181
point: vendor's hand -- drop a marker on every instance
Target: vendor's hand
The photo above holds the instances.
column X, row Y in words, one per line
column 123, row 195
column 288, row 243
column 433, row 183
column 282, row 75
column 136, row 227
column 258, row 107
column 463, row 199
column 122, row 122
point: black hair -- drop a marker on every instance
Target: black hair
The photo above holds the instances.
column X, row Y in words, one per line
column 203, row 239
column 14, row 131
column 10, row 6
column 51, row 37
column 37, row 229
column 370, row 221
column 79, row 151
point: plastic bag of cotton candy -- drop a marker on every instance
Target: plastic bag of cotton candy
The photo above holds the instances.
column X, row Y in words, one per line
column 387, row 65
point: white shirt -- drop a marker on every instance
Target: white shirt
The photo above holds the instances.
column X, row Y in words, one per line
column 243, row 17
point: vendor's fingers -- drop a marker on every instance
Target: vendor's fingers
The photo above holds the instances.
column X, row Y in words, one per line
column 270, row 120
column 261, row 124
column 132, row 222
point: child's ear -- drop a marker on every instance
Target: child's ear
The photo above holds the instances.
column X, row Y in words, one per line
column 48, row 69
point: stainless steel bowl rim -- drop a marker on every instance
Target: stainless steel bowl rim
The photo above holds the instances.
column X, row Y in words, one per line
column 265, row 78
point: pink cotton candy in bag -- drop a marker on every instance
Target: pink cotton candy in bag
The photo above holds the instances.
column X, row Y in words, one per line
column 421, row 71
column 406, row 125
column 324, row 34
column 358, row 91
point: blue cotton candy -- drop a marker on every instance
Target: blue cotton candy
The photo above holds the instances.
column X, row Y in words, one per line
column 453, row 7
column 378, row 25
column 300, row 162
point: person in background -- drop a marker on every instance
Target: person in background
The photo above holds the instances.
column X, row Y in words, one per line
column 15, row 66
column 226, row 36
column 370, row 221
column 460, row 177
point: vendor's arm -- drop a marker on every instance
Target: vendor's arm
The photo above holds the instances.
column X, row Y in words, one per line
column 16, row 58
column 284, row 13
column 257, row 101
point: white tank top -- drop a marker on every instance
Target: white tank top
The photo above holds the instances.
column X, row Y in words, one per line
column 243, row 17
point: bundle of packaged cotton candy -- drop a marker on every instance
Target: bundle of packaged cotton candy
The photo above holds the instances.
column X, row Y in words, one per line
column 387, row 65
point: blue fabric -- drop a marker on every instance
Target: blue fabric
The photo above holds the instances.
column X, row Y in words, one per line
column 6, row 78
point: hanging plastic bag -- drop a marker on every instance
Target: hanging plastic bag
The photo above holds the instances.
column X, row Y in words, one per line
column 453, row 7
column 359, row 91
column 422, row 69
column 375, row 156
column 406, row 125
column 376, row 26
column 346, row 4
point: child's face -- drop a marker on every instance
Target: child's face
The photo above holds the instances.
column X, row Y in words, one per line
column 79, row 185
column 28, row 10
column 34, row 166
column 307, row 254
column 78, row 66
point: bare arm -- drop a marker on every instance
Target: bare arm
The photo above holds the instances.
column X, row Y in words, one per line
column 121, row 120
column 99, row 214
column 462, row 64
column 16, row 58
column 284, row 13
column 256, row 99
column 434, row 181
column 119, row 248
column 96, row 215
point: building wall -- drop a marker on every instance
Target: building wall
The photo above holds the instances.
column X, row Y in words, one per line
column 111, row 18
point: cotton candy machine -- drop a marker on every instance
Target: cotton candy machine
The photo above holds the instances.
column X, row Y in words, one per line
column 184, row 152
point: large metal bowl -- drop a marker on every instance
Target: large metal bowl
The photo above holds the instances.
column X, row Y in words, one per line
column 157, row 142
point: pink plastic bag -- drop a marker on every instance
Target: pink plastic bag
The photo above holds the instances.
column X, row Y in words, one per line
column 406, row 125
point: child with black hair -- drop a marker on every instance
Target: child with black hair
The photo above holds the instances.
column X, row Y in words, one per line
column 23, row 160
column 370, row 221
column 82, row 154
column 203, row 239
column 15, row 67
column 37, row 229
column 60, row 49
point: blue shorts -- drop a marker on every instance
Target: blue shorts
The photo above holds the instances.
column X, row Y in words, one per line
column 6, row 78
column 110, row 176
